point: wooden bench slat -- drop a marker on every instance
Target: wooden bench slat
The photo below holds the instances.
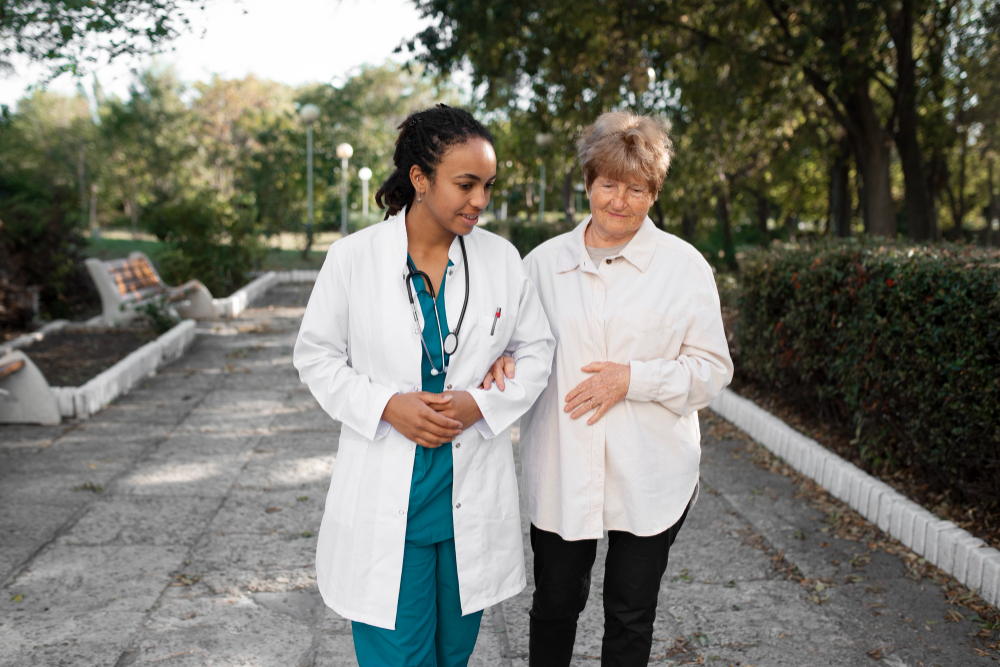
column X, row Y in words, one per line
column 11, row 368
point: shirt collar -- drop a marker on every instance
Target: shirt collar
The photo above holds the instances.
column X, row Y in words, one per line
column 638, row 252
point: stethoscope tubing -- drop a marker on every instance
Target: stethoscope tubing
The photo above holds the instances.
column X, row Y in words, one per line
column 451, row 340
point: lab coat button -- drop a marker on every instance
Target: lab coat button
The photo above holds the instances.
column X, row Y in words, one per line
column 402, row 511
column 457, row 445
column 458, row 506
column 448, row 387
column 609, row 261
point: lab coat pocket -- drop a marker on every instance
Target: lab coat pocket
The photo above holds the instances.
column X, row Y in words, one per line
column 345, row 485
column 503, row 458
column 640, row 334
column 491, row 341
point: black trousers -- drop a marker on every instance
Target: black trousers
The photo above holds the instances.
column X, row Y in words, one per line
column 632, row 574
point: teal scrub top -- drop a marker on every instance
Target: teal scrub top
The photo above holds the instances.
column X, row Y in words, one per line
column 429, row 518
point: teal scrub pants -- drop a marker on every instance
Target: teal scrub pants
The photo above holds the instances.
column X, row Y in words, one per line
column 430, row 629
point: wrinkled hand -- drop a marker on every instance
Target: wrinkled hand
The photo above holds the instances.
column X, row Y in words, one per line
column 416, row 416
column 502, row 367
column 598, row 392
column 461, row 408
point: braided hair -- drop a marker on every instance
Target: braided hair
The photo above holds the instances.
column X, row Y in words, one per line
column 424, row 137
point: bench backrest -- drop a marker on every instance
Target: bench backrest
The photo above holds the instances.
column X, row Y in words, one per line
column 9, row 368
column 134, row 277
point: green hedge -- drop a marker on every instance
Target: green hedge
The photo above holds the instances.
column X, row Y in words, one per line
column 900, row 344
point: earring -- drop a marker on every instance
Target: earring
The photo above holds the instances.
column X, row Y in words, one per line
column 418, row 198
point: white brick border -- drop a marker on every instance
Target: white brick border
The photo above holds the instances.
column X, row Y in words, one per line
column 237, row 302
column 952, row 549
column 82, row 402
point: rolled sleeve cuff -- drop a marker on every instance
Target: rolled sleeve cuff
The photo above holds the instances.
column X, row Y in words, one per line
column 644, row 380
column 487, row 426
column 378, row 428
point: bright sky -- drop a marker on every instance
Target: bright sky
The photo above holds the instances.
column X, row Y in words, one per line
column 292, row 41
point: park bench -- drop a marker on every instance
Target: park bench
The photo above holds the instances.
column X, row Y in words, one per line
column 25, row 396
column 127, row 284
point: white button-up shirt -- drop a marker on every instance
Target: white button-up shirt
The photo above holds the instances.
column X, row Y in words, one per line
column 358, row 345
column 656, row 308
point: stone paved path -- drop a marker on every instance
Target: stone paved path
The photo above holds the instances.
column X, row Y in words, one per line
column 177, row 528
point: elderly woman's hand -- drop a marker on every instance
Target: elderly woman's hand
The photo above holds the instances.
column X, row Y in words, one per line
column 600, row 391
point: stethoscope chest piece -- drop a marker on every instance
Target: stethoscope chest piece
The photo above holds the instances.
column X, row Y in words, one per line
column 450, row 343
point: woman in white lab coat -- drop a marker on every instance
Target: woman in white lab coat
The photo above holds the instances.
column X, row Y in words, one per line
column 421, row 530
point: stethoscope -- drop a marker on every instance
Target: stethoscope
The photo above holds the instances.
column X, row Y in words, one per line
column 449, row 343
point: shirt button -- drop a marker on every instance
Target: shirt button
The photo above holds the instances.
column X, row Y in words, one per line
column 608, row 261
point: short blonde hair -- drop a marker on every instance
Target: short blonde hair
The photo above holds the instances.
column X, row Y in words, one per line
column 625, row 146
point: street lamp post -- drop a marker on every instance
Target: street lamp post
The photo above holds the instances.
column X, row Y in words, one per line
column 309, row 114
column 543, row 139
column 344, row 152
column 365, row 175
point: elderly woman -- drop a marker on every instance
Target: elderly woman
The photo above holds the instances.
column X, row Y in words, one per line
column 613, row 444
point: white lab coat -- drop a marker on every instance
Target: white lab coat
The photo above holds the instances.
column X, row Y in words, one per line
column 357, row 346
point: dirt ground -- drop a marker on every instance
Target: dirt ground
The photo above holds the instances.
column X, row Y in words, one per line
column 72, row 356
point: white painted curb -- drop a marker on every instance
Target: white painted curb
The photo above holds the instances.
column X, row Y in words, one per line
column 297, row 276
column 239, row 300
column 952, row 549
column 236, row 303
column 82, row 402
column 33, row 337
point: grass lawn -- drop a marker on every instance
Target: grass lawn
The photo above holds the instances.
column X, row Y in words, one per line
column 114, row 245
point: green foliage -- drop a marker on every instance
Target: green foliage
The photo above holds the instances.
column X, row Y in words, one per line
column 213, row 240
column 61, row 34
column 527, row 235
column 39, row 230
column 900, row 344
column 159, row 314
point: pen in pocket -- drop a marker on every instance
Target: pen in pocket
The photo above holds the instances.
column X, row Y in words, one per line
column 495, row 318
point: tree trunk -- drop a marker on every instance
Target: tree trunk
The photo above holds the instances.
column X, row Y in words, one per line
column 688, row 221
column 920, row 216
column 872, row 149
column 657, row 216
column 723, row 212
column 839, row 218
column 763, row 213
column 569, row 207
column 81, row 182
column 791, row 224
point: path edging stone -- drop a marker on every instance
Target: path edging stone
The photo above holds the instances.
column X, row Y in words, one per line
column 952, row 549
column 88, row 399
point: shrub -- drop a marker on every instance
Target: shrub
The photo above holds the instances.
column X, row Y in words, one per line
column 900, row 344
column 526, row 236
column 40, row 234
column 214, row 240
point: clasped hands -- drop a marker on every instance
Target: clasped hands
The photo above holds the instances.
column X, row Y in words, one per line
column 429, row 419
column 607, row 386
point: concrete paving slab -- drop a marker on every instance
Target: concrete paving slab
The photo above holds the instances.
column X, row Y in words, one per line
column 205, row 630
column 58, row 639
column 179, row 560
column 292, row 470
column 208, row 476
column 93, row 580
column 153, row 521
column 31, row 436
column 287, row 513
